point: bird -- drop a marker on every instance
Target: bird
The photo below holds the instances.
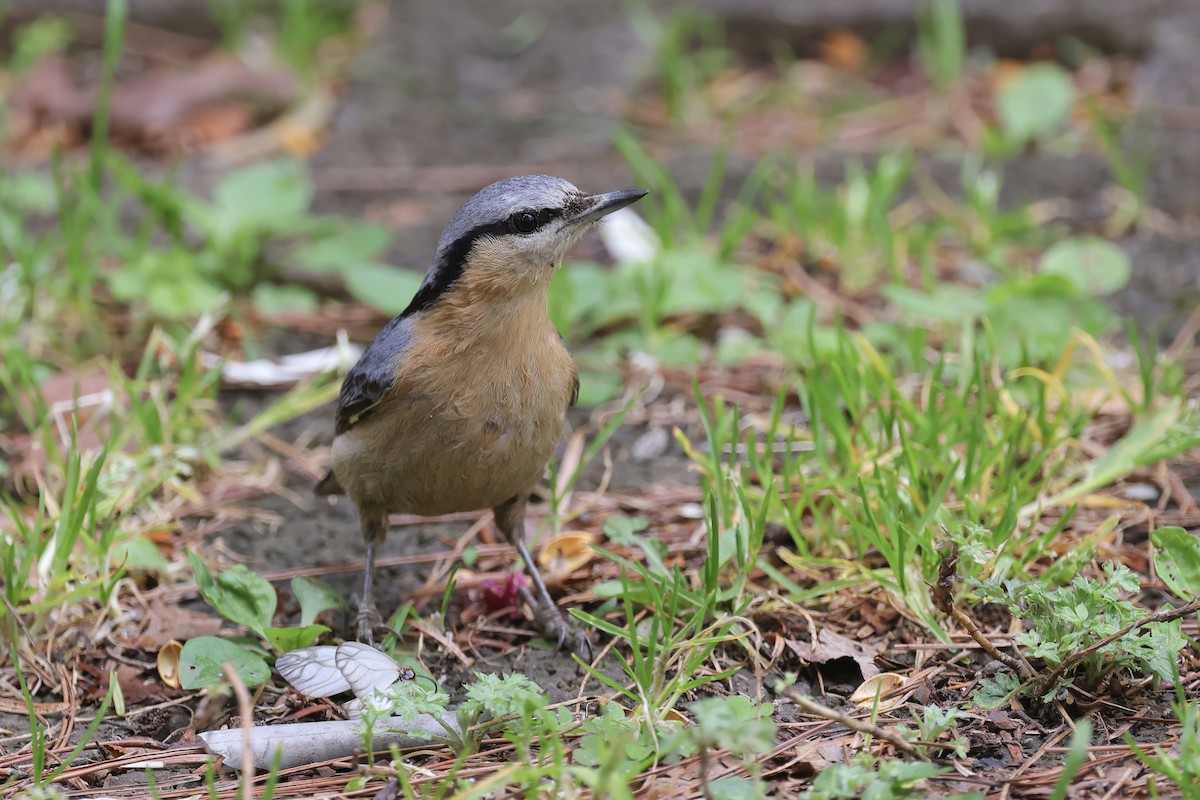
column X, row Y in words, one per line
column 460, row 401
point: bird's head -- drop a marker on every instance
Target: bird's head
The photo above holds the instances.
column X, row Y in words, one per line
column 513, row 234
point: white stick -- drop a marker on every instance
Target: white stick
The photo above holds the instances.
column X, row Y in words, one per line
column 311, row 742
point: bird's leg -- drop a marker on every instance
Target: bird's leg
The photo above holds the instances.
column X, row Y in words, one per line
column 374, row 527
column 510, row 519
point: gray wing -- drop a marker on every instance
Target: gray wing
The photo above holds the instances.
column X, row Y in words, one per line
column 370, row 380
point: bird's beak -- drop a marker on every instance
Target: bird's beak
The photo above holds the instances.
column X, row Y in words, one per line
column 598, row 205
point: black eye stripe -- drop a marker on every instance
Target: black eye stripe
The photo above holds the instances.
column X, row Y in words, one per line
column 449, row 268
column 529, row 220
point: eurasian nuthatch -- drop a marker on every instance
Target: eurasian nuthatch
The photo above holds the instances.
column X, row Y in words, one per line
column 460, row 401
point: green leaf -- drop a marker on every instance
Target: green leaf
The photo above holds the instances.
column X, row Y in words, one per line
column 955, row 304
column 270, row 298
column 352, row 243
column 678, row 350
column 1035, row 102
column 138, row 553
column 996, row 691
column 286, row 639
column 736, row 723
column 503, row 695
column 314, row 597
column 170, row 283
column 584, row 297
column 265, row 197
column 29, row 191
column 735, row 788
column 1094, row 266
column 389, row 289
column 1177, row 561
column 596, row 388
column 237, row 594
column 1170, row 430
column 700, row 282
column 202, row 660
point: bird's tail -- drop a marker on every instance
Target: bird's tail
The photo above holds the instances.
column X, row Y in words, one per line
column 328, row 485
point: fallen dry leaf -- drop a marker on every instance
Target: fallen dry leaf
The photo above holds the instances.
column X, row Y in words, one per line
column 876, row 688
column 168, row 663
column 567, row 552
column 842, row 48
column 172, row 622
column 134, row 688
column 174, row 108
column 831, row 646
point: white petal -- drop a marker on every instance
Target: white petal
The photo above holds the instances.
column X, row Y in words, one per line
column 313, row 671
column 365, row 668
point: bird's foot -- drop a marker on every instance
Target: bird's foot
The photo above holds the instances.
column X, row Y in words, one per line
column 367, row 622
column 551, row 624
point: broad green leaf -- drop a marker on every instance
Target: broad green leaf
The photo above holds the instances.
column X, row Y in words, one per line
column 700, row 282
column 171, row 283
column 265, row 197
column 389, row 289
column 1177, row 561
column 956, row 304
column 1094, row 266
column 584, row 297
column 270, row 298
column 138, row 553
column 314, row 597
column 353, row 243
column 1035, row 102
column 679, row 350
column 237, row 594
column 736, row 788
column 596, row 388
column 202, row 661
column 286, row 639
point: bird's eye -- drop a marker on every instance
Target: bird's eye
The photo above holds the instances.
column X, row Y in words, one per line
column 524, row 222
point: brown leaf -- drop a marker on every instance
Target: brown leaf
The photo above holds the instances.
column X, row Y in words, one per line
column 133, row 687
column 844, row 49
column 831, row 646
column 177, row 108
column 157, row 103
column 172, row 622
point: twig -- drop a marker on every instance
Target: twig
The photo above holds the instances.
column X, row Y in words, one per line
column 1015, row 664
column 1043, row 684
column 817, row 710
column 942, row 594
column 246, row 712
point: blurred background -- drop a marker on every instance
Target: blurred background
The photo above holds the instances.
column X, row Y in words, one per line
column 1078, row 116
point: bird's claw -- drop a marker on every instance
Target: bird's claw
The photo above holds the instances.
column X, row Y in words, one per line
column 580, row 644
column 551, row 624
column 367, row 622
